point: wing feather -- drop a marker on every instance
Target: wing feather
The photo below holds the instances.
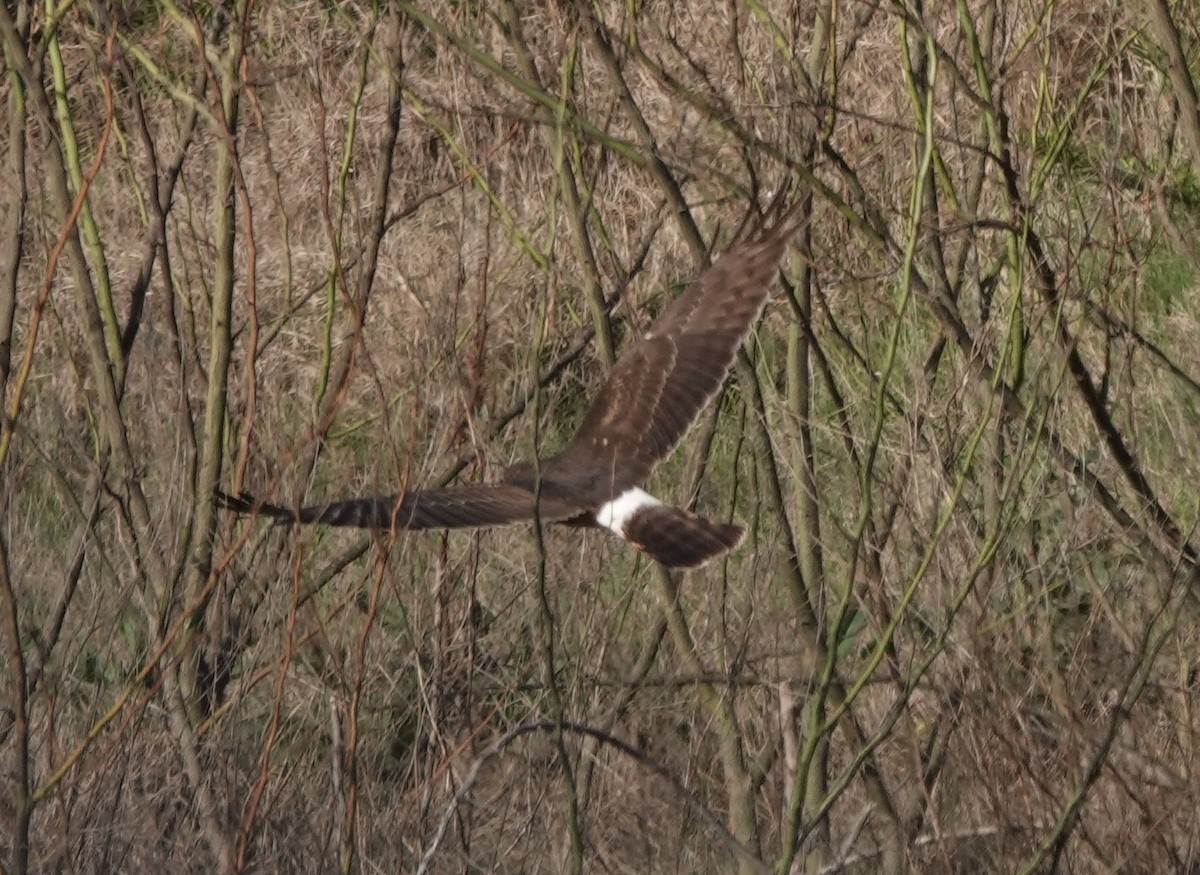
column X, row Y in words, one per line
column 658, row 388
column 454, row 507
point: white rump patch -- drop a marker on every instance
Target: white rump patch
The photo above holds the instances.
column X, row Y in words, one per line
column 613, row 515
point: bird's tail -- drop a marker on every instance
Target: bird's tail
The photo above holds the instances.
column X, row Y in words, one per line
column 678, row 538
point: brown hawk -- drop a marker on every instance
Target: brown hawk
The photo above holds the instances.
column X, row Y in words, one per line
column 651, row 398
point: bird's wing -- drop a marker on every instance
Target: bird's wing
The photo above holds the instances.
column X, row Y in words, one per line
column 658, row 388
column 454, row 507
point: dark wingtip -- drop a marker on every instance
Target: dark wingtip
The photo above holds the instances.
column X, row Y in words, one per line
column 241, row 503
column 245, row 503
column 783, row 216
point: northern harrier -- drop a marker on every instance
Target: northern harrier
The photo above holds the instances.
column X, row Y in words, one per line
column 650, row 400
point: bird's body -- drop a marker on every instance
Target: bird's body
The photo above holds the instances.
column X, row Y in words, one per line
column 651, row 398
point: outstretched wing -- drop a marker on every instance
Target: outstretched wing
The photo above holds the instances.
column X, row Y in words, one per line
column 454, row 507
column 658, row 388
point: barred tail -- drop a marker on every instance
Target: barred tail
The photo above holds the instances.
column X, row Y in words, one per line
column 678, row 538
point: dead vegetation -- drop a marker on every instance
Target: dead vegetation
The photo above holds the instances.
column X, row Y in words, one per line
column 317, row 249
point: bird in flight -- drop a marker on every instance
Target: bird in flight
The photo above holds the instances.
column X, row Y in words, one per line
column 652, row 397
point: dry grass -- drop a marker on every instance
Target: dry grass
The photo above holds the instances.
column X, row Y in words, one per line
column 961, row 634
